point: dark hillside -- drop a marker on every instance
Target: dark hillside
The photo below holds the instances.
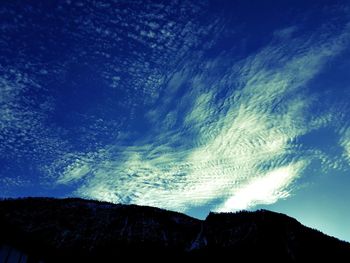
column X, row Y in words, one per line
column 77, row 230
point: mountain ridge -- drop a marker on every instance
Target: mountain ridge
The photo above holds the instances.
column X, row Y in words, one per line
column 74, row 229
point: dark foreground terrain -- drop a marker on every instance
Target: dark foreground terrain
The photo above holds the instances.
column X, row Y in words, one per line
column 77, row 230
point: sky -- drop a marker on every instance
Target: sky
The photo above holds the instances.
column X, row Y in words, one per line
column 192, row 106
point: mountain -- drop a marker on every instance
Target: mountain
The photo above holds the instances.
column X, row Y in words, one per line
column 78, row 230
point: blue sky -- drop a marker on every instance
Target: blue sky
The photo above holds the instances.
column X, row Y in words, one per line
column 188, row 106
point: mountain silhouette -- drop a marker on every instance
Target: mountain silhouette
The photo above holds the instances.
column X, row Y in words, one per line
column 77, row 230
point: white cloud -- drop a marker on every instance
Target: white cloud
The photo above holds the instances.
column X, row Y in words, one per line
column 74, row 172
column 222, row 129
column 265, row 189
column 239, row 147
column 345, row 143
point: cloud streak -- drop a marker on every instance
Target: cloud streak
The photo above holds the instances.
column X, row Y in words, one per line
column 231, row 152
column 266, row 189
column 172, row 105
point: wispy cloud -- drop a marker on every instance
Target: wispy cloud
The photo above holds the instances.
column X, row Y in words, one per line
column 46, row 120
column 220, row 129
column 22, row 130
column 345, row 143
column 265, row 189
column 238, row 148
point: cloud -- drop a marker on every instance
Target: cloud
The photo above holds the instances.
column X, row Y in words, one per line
column 345, row 143
column 48, row 121
column 238, row 148
column 266, row 189
column 22, row 130
column 176, row 122
column 74, row 172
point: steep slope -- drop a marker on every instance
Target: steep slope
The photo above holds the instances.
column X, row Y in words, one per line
column 77, row 230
